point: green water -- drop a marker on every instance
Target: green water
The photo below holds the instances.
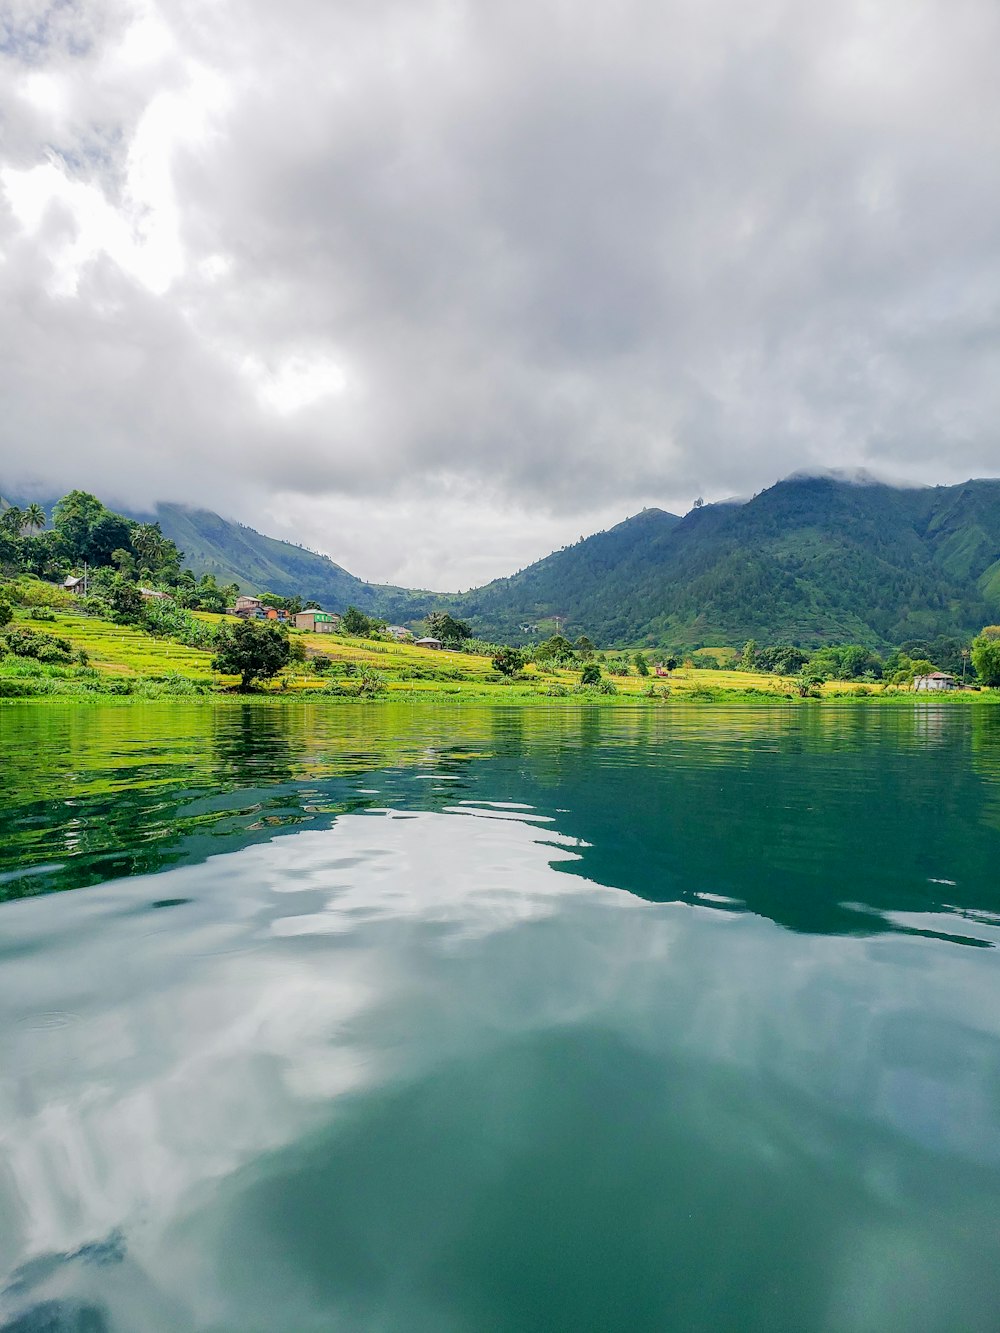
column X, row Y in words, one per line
column 477, row 1019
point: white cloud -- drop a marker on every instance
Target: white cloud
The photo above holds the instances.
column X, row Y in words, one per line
column 546, row 265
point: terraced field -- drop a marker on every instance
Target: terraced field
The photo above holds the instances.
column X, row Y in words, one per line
column 125, row 651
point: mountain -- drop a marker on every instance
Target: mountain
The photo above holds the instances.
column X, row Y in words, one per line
column 237, row 554
column 810, row 560
column 594, row 585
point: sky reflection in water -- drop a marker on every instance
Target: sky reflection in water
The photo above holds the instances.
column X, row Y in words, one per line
column 416, row 1061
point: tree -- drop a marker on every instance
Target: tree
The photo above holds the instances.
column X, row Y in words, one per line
column 356, row 622
column 73, row 517
column 671, row 663
column 584, row 647
column 556, row 649
column 34, row 518
column 986, row 654
column 147, row 542
column 6, row 614
column 748, row 657
column 508, row 661
column 591, row 674
column 12, row 520
column 641, row 665
column 250, row 650
column 445, row 627
column 124, row 598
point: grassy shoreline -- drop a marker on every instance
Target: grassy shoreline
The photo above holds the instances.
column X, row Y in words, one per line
column 128, row 665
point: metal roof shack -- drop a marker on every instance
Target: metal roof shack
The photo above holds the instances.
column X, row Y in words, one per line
column 428, row 643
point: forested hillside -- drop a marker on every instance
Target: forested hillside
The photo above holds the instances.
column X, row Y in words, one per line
column 237, row 554
column 811, row 560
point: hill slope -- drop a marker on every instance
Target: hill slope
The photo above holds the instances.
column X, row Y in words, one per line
column 237, row 554
column 810, row 560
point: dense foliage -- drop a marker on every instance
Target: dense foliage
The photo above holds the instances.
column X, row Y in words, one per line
column 810, row 561
column 251, row 650
column 986, row 654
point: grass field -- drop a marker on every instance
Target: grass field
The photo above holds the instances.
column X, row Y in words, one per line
column 126, row 653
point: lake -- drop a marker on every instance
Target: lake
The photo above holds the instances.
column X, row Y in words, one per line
column 449, row 1018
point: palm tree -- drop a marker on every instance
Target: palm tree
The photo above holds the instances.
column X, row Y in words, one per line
column 34, row 518
column 147, row 541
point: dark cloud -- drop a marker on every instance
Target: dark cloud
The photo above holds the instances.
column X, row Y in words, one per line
column 559, row 259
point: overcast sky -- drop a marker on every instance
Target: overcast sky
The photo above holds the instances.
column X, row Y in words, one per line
column 437, row 287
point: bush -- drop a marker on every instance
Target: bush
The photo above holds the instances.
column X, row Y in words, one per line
column 35, row 613
column 372, row 681
column 986, row 654
column 591, row 674
column 40, row 647
column 555, row 691
column 321, row 663
column 168, row 620
column 508, row 661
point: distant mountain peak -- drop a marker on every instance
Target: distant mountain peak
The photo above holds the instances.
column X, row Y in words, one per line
column 852, row 476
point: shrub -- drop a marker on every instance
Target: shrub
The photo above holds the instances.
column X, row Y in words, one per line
column 31, row 643
column 321, row 663
column 6, row 614
column 555, row 691
column 508, row 661
column 591, row 674
column 372, row 681
column 986, row 654
column 35, row 613
column 168, row 620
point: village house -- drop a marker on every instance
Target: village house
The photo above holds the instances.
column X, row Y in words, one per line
column 77, row 586
column 428, row 643
column 275, row 613
column 937, row 680
column 317, row 622
column 245, row 605
column 399, row 632
column 154, row 595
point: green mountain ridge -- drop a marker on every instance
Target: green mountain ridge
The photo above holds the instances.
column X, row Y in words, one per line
column 238, row 554
column 810, row 560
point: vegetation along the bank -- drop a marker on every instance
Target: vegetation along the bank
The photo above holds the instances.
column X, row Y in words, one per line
column 99, row 605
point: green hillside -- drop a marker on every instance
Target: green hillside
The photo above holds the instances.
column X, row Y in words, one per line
column 237, row 554
column 811, row 560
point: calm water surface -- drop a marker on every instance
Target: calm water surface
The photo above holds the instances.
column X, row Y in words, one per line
column 341, row 1018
